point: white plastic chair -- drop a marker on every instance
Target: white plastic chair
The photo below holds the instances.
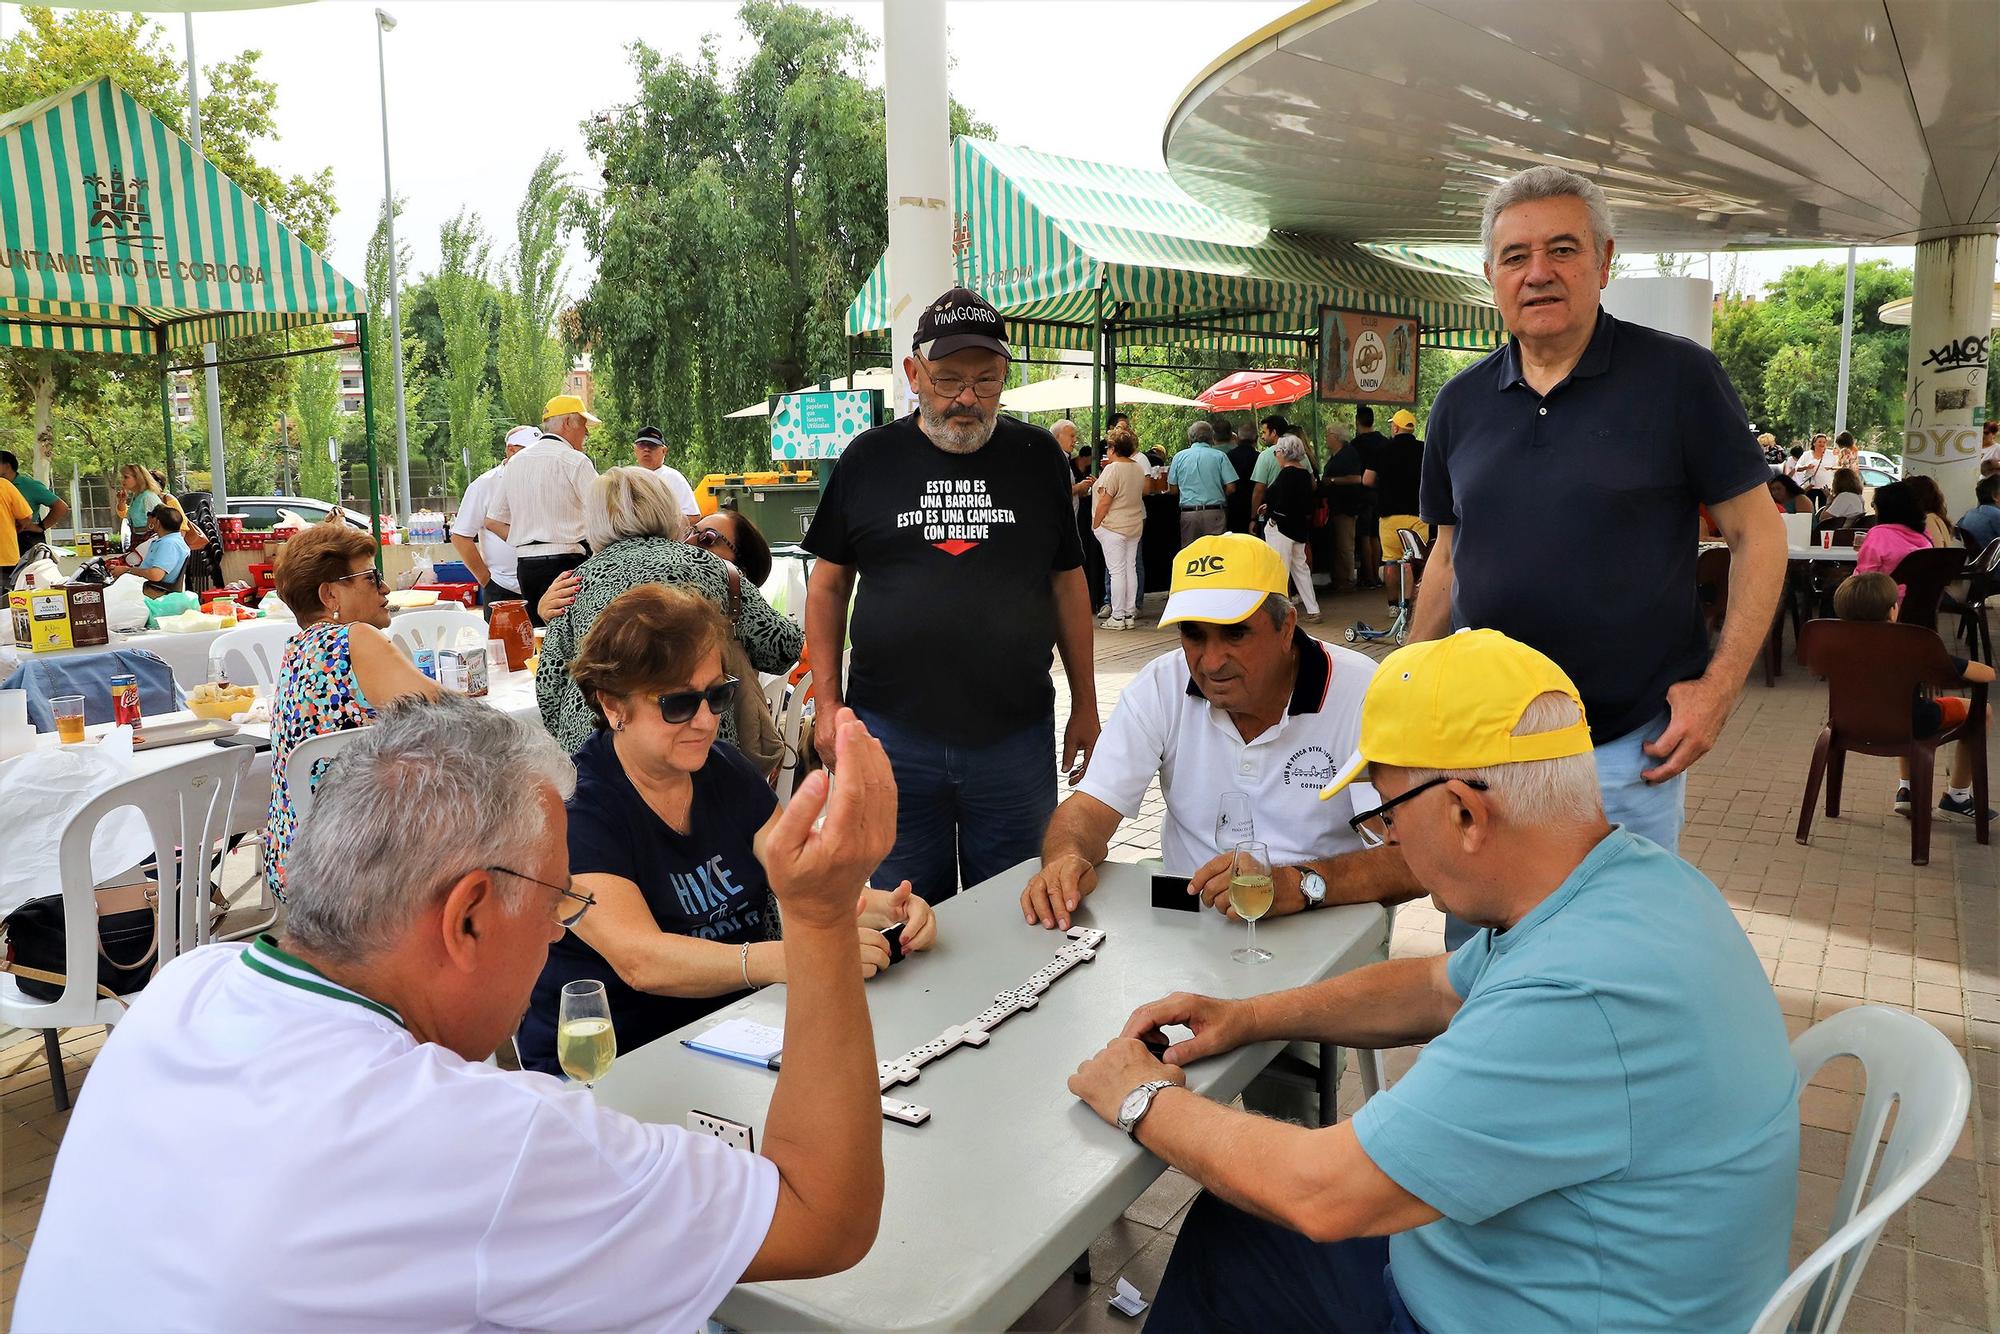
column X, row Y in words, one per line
column 1912, row 1070
column 791, row 716
column 250, row 654
column 299, row 766
column 435, row 627
column 186, row 807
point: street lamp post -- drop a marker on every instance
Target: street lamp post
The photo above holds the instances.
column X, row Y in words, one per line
column 212, row 385
column 384, row 22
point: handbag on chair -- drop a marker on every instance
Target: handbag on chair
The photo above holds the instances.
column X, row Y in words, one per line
column 127, row 928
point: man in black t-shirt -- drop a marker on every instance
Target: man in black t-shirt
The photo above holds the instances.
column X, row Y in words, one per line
column 953, row 530
column 1394, row 472
column 1346, row 496
column 1368, row 559
column 1243, row 455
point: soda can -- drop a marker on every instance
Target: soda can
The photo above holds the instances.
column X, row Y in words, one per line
column 125, row 703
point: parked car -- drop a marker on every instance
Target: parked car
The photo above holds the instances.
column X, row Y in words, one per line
column 1881, row 463
column 261, row 513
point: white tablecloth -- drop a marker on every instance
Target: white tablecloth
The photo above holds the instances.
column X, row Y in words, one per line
column 186, row 655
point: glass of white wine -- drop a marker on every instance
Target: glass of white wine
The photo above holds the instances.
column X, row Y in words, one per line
column 1233, row 823
column 585, row 1044
column 1250, row 894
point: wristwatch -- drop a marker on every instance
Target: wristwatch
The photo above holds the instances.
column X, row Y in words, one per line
column 1137, row 1103
column 1313, row 886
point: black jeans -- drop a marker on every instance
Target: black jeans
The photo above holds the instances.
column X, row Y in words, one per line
column 538, row 572
column 490, row 593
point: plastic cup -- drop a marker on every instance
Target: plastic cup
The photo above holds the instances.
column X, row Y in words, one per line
column 496, row 660
column 68, row 710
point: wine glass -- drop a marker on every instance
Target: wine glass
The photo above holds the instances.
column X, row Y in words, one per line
column 585, row 1044
column 1250, row 894
column 1233, row 823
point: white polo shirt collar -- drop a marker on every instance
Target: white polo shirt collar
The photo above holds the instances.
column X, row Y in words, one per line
column 266, row 959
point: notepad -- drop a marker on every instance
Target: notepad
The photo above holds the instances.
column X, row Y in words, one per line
column 742, row 1039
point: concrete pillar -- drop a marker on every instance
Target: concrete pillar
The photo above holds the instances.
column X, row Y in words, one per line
column 1950, row 341
column 1684, row 306
column 918, row 122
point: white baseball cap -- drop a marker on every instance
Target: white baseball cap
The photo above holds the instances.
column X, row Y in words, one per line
column 523, row 436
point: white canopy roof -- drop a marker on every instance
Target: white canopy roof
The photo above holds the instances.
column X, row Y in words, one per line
column 1065, row 393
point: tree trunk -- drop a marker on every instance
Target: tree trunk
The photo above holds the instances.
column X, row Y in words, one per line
column 45, row 418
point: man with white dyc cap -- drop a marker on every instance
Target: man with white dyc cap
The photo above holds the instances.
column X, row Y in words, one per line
column 1602, row 1132
column 538, row 507
column 1250, row 704
column 484, row 551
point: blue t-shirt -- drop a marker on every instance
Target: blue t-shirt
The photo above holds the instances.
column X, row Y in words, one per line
column 1981, row 525
column 1200, row 472
column 168, row 553
column 1610, row 1125
column 706, row 883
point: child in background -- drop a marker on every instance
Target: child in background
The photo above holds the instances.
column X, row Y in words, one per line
column 1873, row 597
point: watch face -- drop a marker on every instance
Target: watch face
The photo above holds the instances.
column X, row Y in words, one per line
column 1135, row 1103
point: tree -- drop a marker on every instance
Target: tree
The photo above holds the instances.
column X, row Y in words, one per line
column 316, row 403
column 465, row 309
column 530, row 356
column 742, row 209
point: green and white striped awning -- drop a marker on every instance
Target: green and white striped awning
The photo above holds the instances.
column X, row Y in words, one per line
column 116, row 236
column 1042, row 236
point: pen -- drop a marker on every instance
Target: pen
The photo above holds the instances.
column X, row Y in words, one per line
column 770, row 1063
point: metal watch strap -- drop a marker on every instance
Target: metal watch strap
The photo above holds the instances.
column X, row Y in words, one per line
column 1151, row 1089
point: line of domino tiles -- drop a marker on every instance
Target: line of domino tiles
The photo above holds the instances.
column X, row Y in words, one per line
column 1081, row 948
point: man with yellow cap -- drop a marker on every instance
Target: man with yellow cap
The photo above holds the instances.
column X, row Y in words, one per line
column 1251, row 705
column 1394, row 471
column 538, row 506
column 1602, row 1132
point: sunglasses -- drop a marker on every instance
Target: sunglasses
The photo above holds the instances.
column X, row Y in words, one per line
column 680, row 706
column 1365, row 823
column 374, row 575
column 708, row 537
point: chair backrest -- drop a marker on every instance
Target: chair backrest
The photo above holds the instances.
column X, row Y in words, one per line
column 186, row 807
column 791, row 719
column 1913, row 1070
column 1711, row 584
column 250, row 654
column 89, row 675
column 1872, row 671
column 434, row 627
column 1923, row 575
column 300, row 781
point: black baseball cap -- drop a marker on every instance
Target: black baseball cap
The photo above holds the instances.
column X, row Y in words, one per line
column 649, row 435
column 959, row 319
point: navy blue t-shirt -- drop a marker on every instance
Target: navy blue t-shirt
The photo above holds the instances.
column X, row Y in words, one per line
column 706, row 883
column 1574, row 515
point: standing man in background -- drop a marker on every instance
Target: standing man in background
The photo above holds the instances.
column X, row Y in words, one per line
column 46, row 509
column 539, row 509
column 1346, row 497
column 485, row 552
column 1201, row 480
column 1582, row 451
column 1394, row 472
column 1242, row 454
column 649, row 448
column 953, row 531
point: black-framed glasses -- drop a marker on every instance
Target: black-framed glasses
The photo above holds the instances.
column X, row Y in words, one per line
column 565, row 914
column 709, row 538
column 1364, row 823
column 681, row 704
column 371, row 573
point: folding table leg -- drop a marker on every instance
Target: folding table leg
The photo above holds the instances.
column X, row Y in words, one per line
column 1080, row 1271
column 52, row 1049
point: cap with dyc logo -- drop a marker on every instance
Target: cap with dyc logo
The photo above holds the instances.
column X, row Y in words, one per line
column 1221, row 580
column 959, row 319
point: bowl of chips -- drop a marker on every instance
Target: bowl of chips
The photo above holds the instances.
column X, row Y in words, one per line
column 220, row 700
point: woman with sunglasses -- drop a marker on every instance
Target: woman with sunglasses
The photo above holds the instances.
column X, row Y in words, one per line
column 338, row 670
column 735, row 539
column 662, row 836
column 635, row 526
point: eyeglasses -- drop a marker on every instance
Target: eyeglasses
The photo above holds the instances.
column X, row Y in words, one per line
column 564, row 914
column 1364, row 823
column 681, row 705
column 708, row 537
column 951, row 386
column 381, row 584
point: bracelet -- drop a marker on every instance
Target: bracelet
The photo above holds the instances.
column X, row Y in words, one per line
column 743, row 957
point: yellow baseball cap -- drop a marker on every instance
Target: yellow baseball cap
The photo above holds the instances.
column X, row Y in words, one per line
column 1404, row 420
column 564, row 404
column 1453, row 703
column 1222, row 579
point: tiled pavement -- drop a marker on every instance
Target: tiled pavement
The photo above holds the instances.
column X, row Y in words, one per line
column 1842, row 922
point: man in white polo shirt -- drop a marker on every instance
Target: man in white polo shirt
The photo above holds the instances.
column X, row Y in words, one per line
column 1250, row 704
column 387, row 1179
column 649, row 447
column 484, row 551
column 539, row 508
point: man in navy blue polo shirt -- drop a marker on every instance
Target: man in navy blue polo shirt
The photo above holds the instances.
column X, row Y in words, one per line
column 1563, row 477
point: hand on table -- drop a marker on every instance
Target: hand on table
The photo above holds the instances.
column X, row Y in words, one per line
column 1106, row 1079
column 816, row 874
column 1212, row 883
column 1219, row 1025
column 1054, row 892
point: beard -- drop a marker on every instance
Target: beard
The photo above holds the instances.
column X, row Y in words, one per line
column 957, row 429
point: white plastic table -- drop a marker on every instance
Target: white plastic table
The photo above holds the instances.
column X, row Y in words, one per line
column 186, row 655
column 1823, row 555
column 1012, row 1177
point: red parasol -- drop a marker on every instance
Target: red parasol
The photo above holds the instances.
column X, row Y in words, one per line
column 1253, row 390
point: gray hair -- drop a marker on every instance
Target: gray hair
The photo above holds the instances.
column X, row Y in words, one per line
column 1552, row 794
column 1058, row 428
column 630, row 502
column 435, row 789
column 1546, row 182
column 1276, row 607
column 1201, row 433
column 1289, row 449
column 1338, row 431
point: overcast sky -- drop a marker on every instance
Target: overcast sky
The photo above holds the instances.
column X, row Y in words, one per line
column 478, row 89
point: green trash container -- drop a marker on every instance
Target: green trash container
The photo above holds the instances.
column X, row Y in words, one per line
column 781, row 505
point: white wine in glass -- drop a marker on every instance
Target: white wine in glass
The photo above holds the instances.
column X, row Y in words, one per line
column 585, row 1044
column 1250, row 894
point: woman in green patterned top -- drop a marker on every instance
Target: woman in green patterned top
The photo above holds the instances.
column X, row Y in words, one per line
column 635, row 528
